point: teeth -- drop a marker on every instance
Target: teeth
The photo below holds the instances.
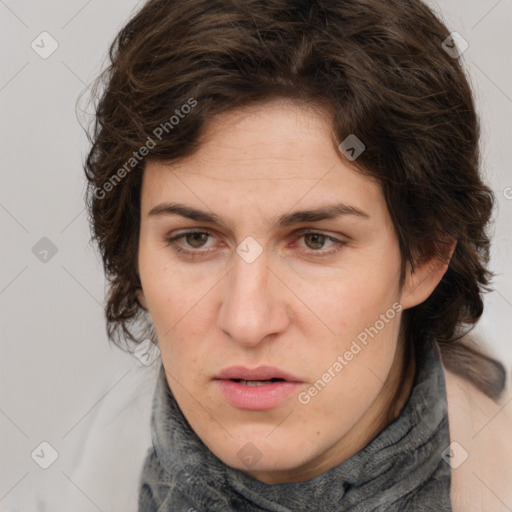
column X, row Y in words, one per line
column 255, row 382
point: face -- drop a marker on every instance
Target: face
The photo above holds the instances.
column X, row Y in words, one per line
column 271, row 271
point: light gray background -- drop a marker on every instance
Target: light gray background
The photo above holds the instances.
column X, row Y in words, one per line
column 61, row 380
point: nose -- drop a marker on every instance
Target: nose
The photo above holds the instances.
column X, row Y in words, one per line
column 253, row 304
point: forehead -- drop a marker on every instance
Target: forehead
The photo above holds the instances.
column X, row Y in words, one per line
column 275, row 140
column 279, row 153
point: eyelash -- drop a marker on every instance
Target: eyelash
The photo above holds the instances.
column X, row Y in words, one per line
column 171, row 241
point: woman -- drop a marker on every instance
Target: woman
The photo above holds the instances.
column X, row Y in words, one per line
column 288, row 194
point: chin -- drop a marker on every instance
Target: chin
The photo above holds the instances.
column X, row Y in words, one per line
column 258, row 455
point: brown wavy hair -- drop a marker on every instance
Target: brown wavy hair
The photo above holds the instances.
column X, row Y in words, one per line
column 378, row 68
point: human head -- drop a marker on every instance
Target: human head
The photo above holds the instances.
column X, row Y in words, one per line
column 376, row 70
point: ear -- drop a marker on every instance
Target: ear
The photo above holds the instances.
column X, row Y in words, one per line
column 142, row 298
column 420, row 283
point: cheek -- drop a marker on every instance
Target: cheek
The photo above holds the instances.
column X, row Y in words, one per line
column 180, row 316
column 356, row 297
column 356, row 317
column 167, row 293
column 348, row 374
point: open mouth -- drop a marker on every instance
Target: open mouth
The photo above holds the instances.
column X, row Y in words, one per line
column 256, row 389
column 256, row 382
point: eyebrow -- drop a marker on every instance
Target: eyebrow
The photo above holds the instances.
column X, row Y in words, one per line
column 288, row 219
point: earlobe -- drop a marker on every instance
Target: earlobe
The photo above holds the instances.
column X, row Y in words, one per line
column 420, row 283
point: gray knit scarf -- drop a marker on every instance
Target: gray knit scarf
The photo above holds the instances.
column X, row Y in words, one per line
column 399, row 470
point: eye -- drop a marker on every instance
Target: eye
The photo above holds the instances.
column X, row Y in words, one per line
column 196, row 240
column 315, row 241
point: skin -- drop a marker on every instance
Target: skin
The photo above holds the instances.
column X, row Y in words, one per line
column 290, row 308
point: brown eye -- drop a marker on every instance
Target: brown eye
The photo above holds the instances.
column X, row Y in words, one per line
column 314, row 240
column 196, row 240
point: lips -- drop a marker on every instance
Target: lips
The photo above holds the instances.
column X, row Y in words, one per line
column 264, row 387
column 261, row 373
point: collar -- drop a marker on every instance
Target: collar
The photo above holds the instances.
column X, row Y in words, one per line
column 402, row 465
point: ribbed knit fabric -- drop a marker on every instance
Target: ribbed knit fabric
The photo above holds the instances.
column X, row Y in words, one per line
column 401, row 469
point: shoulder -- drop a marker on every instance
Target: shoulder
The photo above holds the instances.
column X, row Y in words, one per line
column 481, row 437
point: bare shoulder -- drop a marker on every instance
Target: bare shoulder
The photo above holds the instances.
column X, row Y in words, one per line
column 481, row 436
